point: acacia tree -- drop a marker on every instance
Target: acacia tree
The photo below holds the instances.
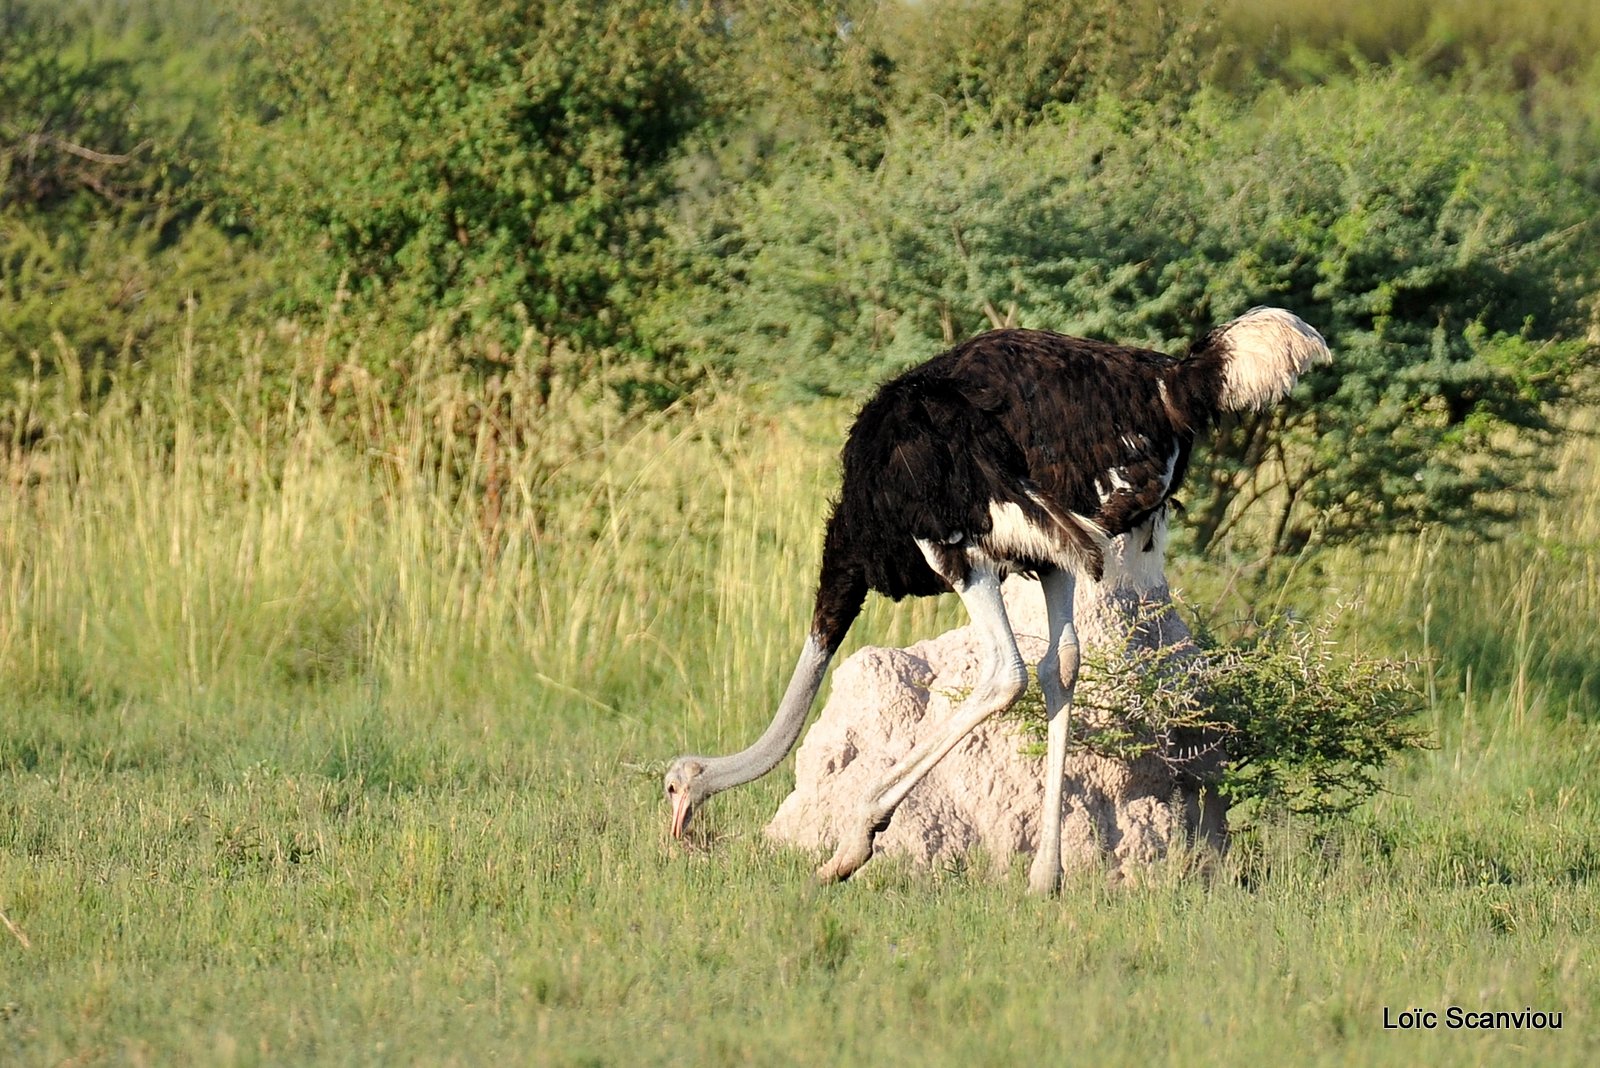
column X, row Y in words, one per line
column 495, row 164
column 1449, row 265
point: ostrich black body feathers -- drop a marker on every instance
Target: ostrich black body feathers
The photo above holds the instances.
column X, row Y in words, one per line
column 1069, row 440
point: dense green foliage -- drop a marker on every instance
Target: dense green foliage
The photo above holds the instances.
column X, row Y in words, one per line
column 839, row 73
column 103, row 236
column 1305, row 727
column 490, row 165
column 812, row 196
column 1397, row 219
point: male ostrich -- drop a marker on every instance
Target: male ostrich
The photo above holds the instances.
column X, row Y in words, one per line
column 1016, row 451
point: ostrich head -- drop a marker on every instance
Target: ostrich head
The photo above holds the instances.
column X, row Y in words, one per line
column 686, row 788
column 692, row 779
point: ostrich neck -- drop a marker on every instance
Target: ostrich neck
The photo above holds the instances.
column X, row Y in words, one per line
column 775, row 742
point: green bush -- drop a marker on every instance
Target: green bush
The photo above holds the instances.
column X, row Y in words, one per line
column 1000, row 63
column 1285, row 719
column 1308, row 725
column 103, row 232
column 490, row 166
column 1447, row 263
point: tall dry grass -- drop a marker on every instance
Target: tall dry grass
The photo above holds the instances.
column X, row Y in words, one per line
column 1509, row 619
column 441, row 545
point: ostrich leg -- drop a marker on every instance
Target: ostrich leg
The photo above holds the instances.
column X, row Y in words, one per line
column 1003, row 682
column 1058, row 678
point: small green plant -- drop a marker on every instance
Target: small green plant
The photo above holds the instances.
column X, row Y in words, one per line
column 1288, row 717
column 1310, row 723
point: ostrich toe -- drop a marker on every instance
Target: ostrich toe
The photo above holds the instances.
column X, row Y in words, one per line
column 855, row 849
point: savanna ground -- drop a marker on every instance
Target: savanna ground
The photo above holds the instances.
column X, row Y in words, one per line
column 429, row 828
column 345, row 631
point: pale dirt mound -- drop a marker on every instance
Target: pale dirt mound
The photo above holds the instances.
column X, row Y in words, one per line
column 985, row 794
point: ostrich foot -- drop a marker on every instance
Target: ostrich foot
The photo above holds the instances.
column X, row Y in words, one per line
column 855, row 849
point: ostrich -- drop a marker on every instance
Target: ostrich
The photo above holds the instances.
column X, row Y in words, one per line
column 1015, row 451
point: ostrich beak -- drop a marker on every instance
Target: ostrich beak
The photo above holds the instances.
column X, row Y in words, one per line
column 680, row 813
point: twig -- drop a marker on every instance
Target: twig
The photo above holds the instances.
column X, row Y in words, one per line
column 556, row 684
column 16, row 931
column 97, row 157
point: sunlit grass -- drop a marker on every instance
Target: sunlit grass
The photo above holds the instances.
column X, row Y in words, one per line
column 313, row 753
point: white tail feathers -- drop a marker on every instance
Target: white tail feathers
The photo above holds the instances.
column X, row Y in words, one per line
column 1264, row 352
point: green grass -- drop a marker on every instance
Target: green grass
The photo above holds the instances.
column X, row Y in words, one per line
column 307, row 756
